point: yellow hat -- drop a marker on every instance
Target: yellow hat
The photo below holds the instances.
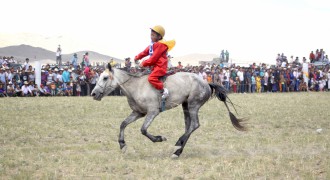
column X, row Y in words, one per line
column 159, row 29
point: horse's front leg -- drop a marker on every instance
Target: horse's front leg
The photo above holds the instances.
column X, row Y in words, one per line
column 150, row 117
column 131, row 118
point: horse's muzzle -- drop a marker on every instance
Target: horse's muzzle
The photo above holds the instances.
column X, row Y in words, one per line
column 97, row 96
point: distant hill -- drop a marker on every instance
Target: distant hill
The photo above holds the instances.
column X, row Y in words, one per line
column 21, row 52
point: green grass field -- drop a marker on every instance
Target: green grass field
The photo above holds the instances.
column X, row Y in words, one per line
column 76, row 138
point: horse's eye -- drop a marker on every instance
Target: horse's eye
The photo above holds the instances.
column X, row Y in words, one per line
column 105, row 78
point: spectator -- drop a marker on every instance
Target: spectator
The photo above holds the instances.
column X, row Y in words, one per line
column 44, row 90
column 326, row 59
column 227, row 56
column 31, row 76
column 74, row 60
column 26, row 64
column 83, row 84
column 18, row 90
column 207, row 66
column 34, row 89
column 253, row 83
column 202, row 74
column 240, row 75
column 258, row 83
column 78, row 88
column 128, row 64
column 9, row 74
column 68, row 90
column 53, row 89
column 2, row 91
column 303, row 86
column 2, row 76
column 10, row 89
column 217, row 79
column 1, row 61
column 179, row 66
column 226, row 78
column 233, row 85
column 65, row 76
column 50, row 77
column 169, row 62
column 312, row 57
column 93, row 79
column 26, row 91
column 86, row 59
column 59, row 56
column 247, row 78
column 24, row 75
column 60, row 91
column 222, row 56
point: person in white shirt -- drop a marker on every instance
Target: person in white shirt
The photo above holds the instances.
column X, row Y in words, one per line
column 240, row 75
column 59, row 56
column 1, row 61
column 266, row 76
column 26, row 91
column 55, row 73
column 322, row 84
column 202, row 74
column 50, row 77
column 226, row 78
column 9, row 75
column 59, row 77
column 2, row 76
column 207, row 66
column 26, row 64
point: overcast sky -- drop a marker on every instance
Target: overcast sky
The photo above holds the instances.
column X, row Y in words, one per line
column 249, row 30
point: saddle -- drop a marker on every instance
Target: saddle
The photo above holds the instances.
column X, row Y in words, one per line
column 168, row 73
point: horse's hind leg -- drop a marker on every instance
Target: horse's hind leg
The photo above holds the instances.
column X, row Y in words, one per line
column 131, row 118
column 194, row 124
column 150, row 117
column 187, row 119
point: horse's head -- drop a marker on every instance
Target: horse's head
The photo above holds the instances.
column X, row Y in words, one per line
column 105, row 85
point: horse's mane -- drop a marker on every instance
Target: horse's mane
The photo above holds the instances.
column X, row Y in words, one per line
column 138, row 74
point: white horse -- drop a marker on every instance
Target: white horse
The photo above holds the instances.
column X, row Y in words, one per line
column 185, row 88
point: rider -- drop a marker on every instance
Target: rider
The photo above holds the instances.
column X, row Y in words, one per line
column 157, row 51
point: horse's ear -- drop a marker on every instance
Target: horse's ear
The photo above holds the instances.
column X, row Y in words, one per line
column 109, row 67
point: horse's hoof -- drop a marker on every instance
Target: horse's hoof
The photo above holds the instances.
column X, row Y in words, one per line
column 176, row 148
column 174, row 156
column 164, row 138
column 123, row 149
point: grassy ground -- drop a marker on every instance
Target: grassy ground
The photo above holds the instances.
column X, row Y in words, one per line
column 76, row 138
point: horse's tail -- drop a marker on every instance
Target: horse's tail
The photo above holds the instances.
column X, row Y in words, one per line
column 221, row 93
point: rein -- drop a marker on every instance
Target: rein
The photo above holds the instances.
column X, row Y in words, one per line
column 105, row 87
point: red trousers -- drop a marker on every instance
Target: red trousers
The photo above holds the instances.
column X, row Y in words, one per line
column 154, row 78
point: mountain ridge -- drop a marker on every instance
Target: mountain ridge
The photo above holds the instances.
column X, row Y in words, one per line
column 23, row 51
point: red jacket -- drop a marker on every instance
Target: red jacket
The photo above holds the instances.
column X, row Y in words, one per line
column 311, row 56
column 158, row 59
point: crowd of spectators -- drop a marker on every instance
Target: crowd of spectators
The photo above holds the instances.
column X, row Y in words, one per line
column 69, row 80
column 79, row 80
column 284, row 76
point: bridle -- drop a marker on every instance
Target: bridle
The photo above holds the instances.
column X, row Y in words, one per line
column 111, row 87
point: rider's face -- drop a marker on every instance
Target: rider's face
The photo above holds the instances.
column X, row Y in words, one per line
column 154, row 36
